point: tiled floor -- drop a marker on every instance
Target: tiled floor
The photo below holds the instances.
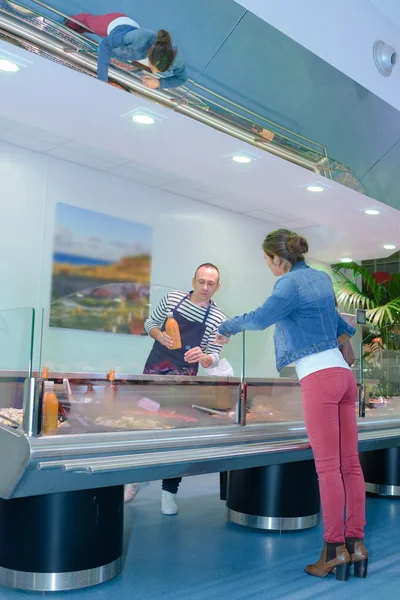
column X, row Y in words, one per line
column 196, row 555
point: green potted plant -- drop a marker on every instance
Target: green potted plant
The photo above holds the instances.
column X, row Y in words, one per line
column 356, row 287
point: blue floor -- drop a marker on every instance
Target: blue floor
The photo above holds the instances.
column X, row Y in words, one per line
column 196, row 555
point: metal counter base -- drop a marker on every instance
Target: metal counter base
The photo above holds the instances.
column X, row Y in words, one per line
column 59, row 582
column 383, row 490
column 273, row 523
column 382, row 471
column 281, row 497
column 60, row 542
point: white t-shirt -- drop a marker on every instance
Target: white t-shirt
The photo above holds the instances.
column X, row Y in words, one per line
column 328, row 359
column 121, row 21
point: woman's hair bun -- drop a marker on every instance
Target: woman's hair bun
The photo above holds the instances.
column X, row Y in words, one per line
column 285, row 244
column 163, row 37
column 297, row 245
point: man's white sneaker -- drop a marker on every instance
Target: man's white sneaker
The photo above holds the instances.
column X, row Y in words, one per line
column 168, row 503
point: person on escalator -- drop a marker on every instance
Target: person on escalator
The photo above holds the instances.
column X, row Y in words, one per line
column 198, row 318
column 124, row 39
column 309, row 332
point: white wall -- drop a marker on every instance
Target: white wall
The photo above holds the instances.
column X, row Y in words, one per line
column 342, row 33
column 185, row 234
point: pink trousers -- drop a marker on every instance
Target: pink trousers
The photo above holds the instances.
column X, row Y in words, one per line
column 329, row 398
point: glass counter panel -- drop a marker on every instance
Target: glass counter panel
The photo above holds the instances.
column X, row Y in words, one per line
column 274, row 402
column 102, row 327
column 151, row 403
column 259, row 354
column 380, row 373
column 16, row 354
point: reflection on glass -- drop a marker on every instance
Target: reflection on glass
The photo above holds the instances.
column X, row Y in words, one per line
column 69, row 350
column 16, row 352
column 153, row 403
column 274, row 403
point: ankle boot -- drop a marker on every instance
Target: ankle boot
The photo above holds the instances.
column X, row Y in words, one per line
column 359, row 556
column 339, row 562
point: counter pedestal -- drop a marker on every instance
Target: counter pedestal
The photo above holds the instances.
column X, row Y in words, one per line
column 61, row 541
column 382, row 471
column 281, row 497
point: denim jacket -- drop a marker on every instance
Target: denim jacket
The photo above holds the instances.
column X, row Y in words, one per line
column 127, row 43
column 302, row 306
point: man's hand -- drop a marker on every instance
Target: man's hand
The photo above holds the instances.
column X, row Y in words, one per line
column 165, row 340
column 151, row 82
column 220, row 340
column 196, row 355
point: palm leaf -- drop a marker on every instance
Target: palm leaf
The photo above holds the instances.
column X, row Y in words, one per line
column 393, row 286
column 344, row 280
column 368, row 280
column 384, row 315
column 339, row 286
column 349, row 296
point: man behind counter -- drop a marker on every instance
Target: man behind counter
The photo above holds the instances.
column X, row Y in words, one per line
column 198, row 318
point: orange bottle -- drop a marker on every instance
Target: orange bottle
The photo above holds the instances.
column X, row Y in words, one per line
column 50, row 409
column 172, row 329
column 45, row 373
column 111, row 390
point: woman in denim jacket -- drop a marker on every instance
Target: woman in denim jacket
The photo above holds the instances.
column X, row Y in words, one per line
column 123, row 38
column 308, row 332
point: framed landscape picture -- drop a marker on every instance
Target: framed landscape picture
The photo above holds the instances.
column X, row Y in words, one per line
column 100, row 272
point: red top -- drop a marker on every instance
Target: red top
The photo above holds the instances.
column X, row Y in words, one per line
column 98, row 24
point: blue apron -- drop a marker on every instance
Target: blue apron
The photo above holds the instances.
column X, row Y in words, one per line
column 162, row 361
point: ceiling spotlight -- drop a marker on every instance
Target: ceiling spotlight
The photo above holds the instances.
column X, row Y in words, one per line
column 315, row 187
column 143, row 119
column 346, row 259
column 372, row 211
column 8, row 66
column 385, row 57
column 389, row 246
column 143, row 116
column 242, row 158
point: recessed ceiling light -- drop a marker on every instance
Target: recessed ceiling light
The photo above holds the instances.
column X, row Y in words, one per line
column 143, row 119
column 372, row 211
column 315, row 187
column 8, row 66
column 242, row 158
column 143, row 116
column 346, row 259
column 389, row 246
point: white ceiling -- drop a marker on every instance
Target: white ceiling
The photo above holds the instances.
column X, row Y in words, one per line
column 57, row 111
column 390, row 8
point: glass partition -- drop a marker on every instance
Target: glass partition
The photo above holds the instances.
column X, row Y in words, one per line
column 16, row 355
column 146, row 403
column 276, row 398
column 271, row 397
column 380, row 373
column 95, row 347
column 274, row 402
column 99, row 328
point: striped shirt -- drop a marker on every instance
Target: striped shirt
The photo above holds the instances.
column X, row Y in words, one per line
column 192, row 312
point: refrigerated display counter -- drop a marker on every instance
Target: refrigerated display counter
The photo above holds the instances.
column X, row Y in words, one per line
column 61, row 506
